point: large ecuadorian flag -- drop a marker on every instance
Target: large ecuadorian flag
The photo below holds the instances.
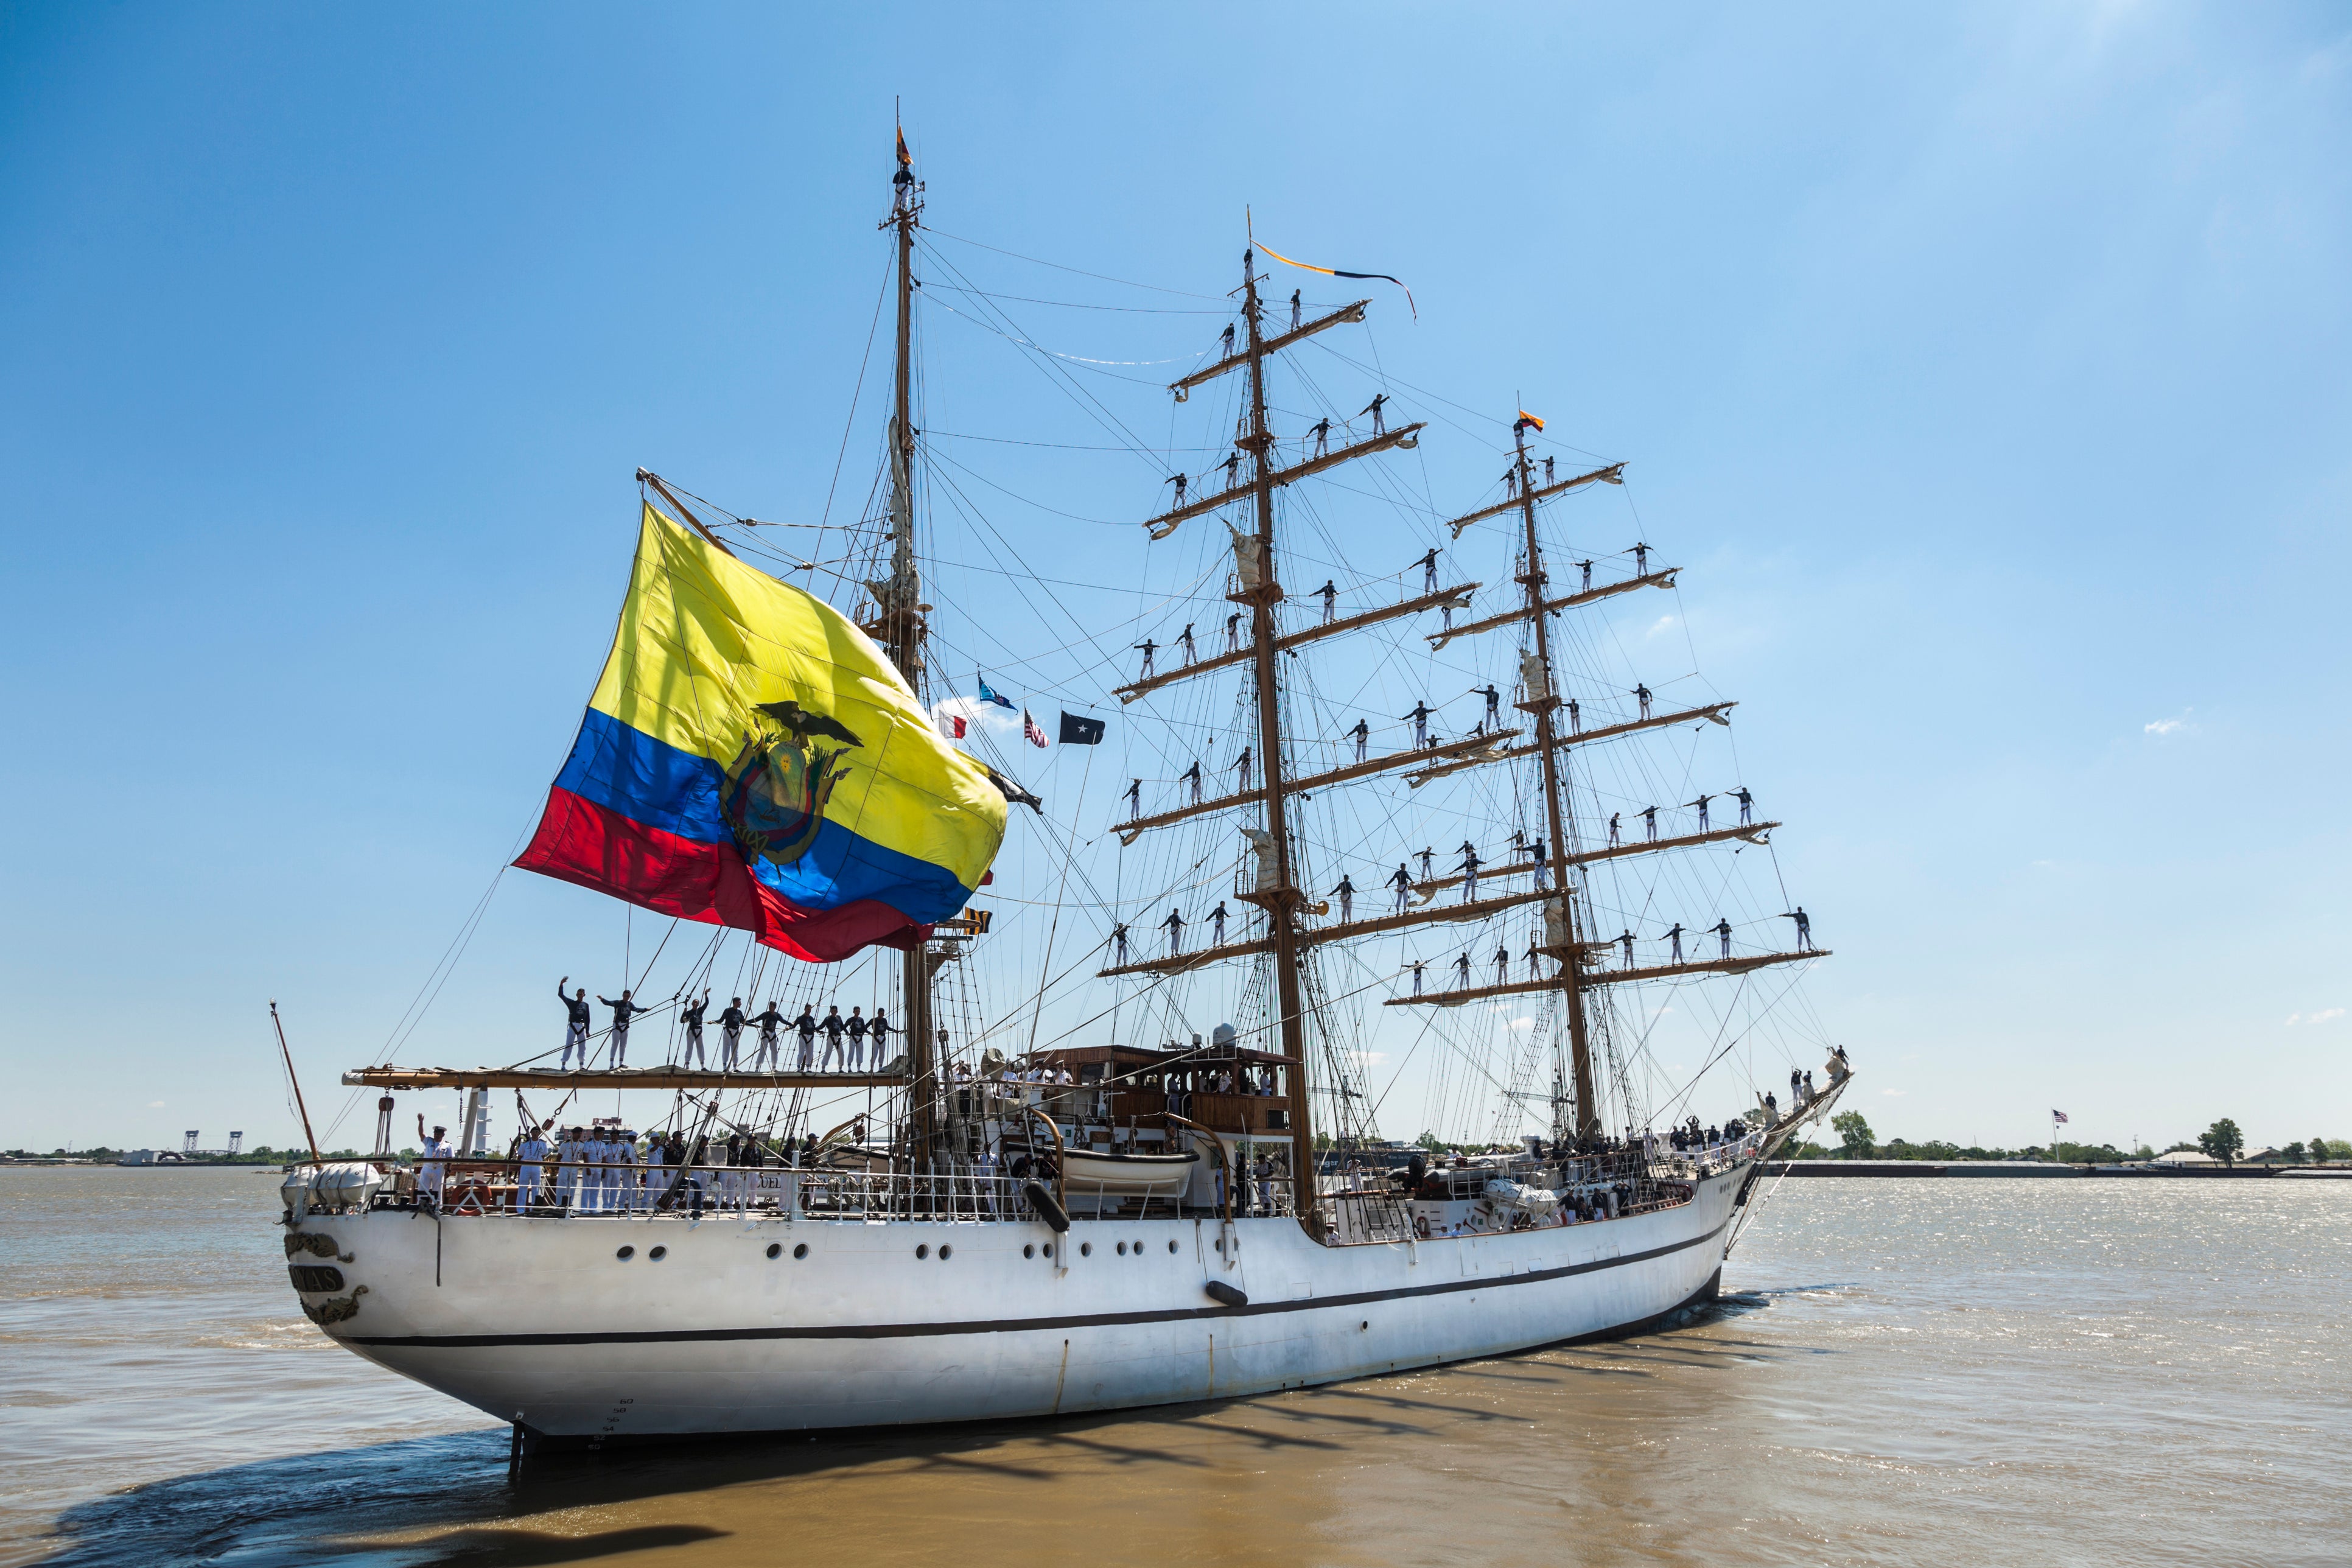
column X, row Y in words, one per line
column 751, row 759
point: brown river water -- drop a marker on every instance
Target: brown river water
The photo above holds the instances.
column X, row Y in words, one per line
column 1901, row 1372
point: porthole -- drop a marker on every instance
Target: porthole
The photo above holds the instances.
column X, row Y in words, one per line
column 658, row 1253
column 1049, row 1249
column 1086, row 1249
column 625, row 1253
column 1137, row 1249
column 924, row 1251
column 801, row 1251
column 947, row 1250
column 1122, row 1249
column 1172, row 1244
column 1029, row 1251
column 775, row 1250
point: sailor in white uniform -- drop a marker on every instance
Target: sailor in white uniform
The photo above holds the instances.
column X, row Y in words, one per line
column 657, row 1175
column 532, row 1151
column 434, row 1168
column 567, row 1156
column 620, row 1175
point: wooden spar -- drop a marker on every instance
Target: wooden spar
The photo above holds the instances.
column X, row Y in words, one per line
column 1431, row 889
column 626, row 1077
column 1316, row 936
column 1128, row 831
column 903, row 624
column 1753, row 832
column 1345, row 314
column 1457, row 595
column 296, row 1084
column 1282, row 900
column 1556, row 809
column 1611, row 475
column 648, row 476
column 1270, row 478
column 1713, row 711
column 1661, row 579
column 1592, row 978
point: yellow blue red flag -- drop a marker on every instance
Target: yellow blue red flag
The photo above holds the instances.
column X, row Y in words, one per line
column 751, row 759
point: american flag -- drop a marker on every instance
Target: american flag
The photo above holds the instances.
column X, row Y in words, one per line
column 1029, row 728
column 2059, row 1117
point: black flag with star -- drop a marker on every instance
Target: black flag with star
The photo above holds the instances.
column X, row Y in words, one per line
column 1077, row 731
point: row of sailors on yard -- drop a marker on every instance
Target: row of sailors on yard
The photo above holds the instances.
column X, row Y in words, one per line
column 845, row 1039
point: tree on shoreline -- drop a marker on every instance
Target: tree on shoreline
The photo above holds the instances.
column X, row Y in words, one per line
column 2223, row 1142
column 1855, row 1141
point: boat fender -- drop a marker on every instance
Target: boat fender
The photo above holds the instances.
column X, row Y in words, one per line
column 1225, row 1295
column 1048, row 1208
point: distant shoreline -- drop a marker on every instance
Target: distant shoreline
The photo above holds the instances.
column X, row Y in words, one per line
column 2039, row 1169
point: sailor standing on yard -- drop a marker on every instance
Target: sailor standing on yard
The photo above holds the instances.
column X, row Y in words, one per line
column 1402, row 883
column 692, row 1018
column 623, row 1011
column 730, row 1036
column 1722, row 929
column 834, row 1027
column 1346, row 893
column 577, row 1020
column 879, row 1031
column 1174, row 926
column 1420, row 717
column 806, row 1027
column 856, row 1039
column 432, row 1170
column 770, row 1022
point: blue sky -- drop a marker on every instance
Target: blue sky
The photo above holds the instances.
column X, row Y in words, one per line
column 1983, row 366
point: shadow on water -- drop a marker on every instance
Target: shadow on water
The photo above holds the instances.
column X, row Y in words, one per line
column 451, row 1502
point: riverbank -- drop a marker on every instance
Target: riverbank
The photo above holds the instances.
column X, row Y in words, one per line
column 2044, row 1169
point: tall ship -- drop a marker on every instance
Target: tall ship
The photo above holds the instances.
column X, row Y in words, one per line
column 1115, row 1136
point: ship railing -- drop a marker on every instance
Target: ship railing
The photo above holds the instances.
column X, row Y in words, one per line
column 471, row 1186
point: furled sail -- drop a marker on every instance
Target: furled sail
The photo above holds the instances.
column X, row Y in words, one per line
column 751, row 759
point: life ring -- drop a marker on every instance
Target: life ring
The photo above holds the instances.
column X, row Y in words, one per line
column 1420, row 1225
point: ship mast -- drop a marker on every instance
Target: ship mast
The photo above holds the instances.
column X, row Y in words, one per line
column 1543, row 705
column 901, row 624
column 1282, row 901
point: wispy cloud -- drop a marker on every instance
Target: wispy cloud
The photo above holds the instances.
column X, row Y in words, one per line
column 158, row 1105
column 1892, row 1093
column 1660, row 626
column 2324, row 1016
column 2177, row 724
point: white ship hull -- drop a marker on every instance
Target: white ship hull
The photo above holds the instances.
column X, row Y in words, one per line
column 536, row 1321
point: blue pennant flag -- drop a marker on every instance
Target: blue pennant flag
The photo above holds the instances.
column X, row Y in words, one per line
column 988, row 696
